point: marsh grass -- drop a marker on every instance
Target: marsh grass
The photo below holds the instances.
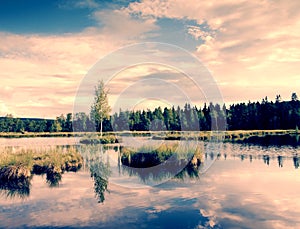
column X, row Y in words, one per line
column 226, row 136
column 111, row 137
column 18, row 165
column 96, row 139
column 149, row 156
column 169, row 160
column 40, row 134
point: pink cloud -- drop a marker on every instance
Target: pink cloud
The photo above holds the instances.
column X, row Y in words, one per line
column 253, row 41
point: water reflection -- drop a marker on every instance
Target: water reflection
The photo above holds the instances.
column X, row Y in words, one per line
column 20, row 187
column 96, row 161
column 274, row 140
column 15, row 188
column 280, row 161
column 100, row 174
column 53, row 178
column 101, row 169
column 296, row 161
column 19, row 165
column 103, row 161
column 165, row 172
column 266, row 159
column 245, row 186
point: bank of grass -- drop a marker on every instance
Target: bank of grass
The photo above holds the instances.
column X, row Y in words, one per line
column 230, row 136
column 42, row 134
column 96, row 139
column 20, row 164
column 114, row 137
column 169, row 160
column 147, row 156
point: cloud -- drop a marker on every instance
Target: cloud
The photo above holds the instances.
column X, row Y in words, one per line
column 34, row 67
column 119, row 24
column 250, row 47
column 4, row 110
column 87, row 4
column 239, row 39
column 30, row 66
column 149, row 83
column 199, row 33
column 71, row 4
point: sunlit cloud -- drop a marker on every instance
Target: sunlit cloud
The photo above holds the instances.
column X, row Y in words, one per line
column 35, row 66
column 240, row 39
column 250, row 47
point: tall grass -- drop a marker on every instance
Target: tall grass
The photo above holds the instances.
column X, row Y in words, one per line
column 18, row 165
column 169, row 160
column 148, row 156
column 96, row 139
column 227, row 136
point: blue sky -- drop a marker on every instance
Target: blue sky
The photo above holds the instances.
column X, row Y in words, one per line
column 251, row 48
column 51, row 17
column 70, row 16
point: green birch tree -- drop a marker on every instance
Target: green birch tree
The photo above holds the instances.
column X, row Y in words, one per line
column 100, row 108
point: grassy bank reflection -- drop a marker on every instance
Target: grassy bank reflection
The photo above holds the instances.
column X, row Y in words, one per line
column 17, row 167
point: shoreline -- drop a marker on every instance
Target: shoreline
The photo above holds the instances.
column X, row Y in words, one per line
column 226, row 134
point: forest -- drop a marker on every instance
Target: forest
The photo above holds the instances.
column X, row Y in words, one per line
column 264, row 115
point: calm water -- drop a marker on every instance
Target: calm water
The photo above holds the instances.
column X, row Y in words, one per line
column 238, row 186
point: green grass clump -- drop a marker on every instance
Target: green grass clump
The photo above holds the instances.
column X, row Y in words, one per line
column 96, row 139
column 147, row 156
column 20, row 164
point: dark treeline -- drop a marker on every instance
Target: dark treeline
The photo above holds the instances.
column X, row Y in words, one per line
column 262, row 115
column 21, row 125
column 243, row 116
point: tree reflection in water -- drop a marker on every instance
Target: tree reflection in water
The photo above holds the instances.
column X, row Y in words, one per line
column 153, row 167
column 100, row 173
column 296, row 161
column 99, row 168
column 266, row 159
column 145, row 166
column 280, row 161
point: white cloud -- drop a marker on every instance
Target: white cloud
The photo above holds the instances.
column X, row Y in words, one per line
column 39, row 67
column 120, row 25
column 4, row 110
column 198, row 33
column 251, row 47
column 87, row 4
column 71, row 4
column 47, row 69
column 240, row 39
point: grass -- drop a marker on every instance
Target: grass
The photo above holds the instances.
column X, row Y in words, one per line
column 173, row 160
column 112, row 137
column 17, row 166
column 96, row 139
column 72, row 134
column 40, row 134
column 147, row 156
column 229, row 136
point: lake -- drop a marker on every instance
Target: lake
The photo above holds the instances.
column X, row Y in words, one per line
column 236, row 186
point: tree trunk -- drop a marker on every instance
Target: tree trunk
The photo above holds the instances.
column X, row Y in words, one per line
column 101, row 128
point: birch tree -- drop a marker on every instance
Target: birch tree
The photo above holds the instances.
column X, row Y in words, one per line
column 100, row 109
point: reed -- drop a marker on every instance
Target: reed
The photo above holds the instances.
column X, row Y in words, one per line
column 21, row 164
column 148, row 156
column 96, row 139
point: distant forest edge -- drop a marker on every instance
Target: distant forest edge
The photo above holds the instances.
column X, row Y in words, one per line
column 264, row 115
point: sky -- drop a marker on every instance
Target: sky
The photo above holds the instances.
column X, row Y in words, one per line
column 50, row 51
